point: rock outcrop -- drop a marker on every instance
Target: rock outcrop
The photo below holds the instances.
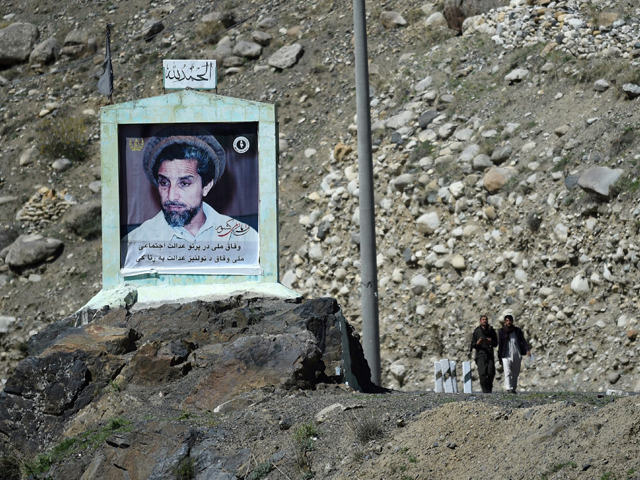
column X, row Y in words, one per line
column 207, row 354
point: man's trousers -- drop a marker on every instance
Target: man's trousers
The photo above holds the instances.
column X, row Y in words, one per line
column 511, row 372
column 486, row 371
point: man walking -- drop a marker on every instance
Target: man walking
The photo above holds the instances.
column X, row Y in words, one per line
column 484, row 340
column 512, row 346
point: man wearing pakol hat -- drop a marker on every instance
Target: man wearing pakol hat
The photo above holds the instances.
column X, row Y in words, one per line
column 184, row 164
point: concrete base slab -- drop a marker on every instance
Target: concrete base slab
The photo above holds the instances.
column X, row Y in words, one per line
column 138, row 298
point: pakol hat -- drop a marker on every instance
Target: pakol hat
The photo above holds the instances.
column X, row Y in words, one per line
column 211, row 163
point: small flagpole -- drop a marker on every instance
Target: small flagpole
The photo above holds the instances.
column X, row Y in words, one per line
column 105, row 83
column 108, row 54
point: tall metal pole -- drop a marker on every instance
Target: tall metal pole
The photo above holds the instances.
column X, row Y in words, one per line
column 369, row 270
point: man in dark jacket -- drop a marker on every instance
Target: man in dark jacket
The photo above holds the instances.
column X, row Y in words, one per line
column 512, row 346
column 484, row 340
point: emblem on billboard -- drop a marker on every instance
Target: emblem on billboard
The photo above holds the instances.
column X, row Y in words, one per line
column 136, row 144
column 241, row 144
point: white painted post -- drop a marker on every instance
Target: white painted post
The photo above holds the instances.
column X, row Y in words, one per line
column 438, row 376
column 454, row 377
column 446, row 375
column 466, row 371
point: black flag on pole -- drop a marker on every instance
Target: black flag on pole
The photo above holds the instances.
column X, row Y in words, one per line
column 105, row 83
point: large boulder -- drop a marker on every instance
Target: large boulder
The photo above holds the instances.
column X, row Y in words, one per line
column 496, row 178
column 423, row 84
column 392, row 20
column 85, row 219
column 213, row 24
column 580, row 286
column 456, row 11
column 247, row 49
column 29, row 156
column 400, row 120
column 501, row 154
column 428, row 223
column 601, row 85
column 31, row 249
column 76, row 37
column 16, row 43
column 427, row 117
column 446, row 130
column 75, row 44
column 600, row 181
column 286, row 57
column 224, row 49
column 482, row 162
column 436, row 20
column 631, row 90
column 469, row 153
column 261, row 38
column 165, row 398
column 267, row 23
column 151, row 29
column 44, row 52
column 401, row 182
column 226, row 19
column 254, row 362
column 517, row 75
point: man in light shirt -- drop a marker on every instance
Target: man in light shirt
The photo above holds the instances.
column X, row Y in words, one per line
column 511, row 347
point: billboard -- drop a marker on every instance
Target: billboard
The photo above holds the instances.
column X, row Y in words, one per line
column 189, row 198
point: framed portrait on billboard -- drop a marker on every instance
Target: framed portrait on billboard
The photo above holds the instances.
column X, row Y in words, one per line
column 189, row 198
column 189, row 191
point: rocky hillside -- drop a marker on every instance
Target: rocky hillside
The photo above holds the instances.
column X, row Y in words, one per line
column 505, row 165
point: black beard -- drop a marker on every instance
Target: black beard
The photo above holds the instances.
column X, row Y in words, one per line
column 179, row 219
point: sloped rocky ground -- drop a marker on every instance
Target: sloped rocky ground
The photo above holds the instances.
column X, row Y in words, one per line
column 85, row 385
column 486, row 439
column 481, row 144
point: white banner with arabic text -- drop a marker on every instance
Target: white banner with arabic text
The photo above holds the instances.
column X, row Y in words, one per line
column 196, row 74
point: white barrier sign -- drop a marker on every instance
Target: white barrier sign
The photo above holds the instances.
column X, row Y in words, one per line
column 446, row 376
column 466, row 371
column 196, row 74
column 454, row 376
column 445, row 365
column 438, row 376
